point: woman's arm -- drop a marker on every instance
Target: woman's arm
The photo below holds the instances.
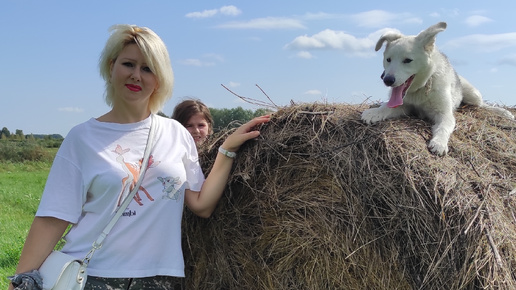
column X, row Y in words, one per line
column 203, row 203
column 43, row 236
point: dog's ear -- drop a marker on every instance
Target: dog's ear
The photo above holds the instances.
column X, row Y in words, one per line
column 389, row 36
column 427, row 37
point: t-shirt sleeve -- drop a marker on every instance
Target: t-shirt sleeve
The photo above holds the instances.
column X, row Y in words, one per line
column 194, row 174
column 63, row 196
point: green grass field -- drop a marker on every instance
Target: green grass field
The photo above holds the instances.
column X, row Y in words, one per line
column 21, row 185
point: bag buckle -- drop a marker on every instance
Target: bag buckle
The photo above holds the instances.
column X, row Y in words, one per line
column 88, row 256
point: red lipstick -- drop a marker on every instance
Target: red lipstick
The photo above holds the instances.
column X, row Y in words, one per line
column 134, row 88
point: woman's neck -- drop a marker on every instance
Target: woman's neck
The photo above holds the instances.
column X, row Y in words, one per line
column 123, row 116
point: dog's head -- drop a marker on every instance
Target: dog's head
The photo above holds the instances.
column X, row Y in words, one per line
column 404, row 57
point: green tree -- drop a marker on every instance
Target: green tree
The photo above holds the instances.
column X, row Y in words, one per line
column 20, row 135
column 261, row 112
column 231, row 118
column 5, row 133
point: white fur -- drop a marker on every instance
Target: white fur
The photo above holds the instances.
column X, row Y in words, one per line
column 436, row 90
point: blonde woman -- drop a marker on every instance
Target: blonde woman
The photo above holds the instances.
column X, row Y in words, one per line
column 143, row 250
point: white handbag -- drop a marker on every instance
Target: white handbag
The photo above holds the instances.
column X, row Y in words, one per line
column 61, row 271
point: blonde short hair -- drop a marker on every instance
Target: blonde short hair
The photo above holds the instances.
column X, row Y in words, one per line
column 155, row 53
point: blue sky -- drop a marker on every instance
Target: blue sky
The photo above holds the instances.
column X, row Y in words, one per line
column 304, row 51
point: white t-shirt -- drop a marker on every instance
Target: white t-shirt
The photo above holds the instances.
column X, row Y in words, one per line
column 94, row 165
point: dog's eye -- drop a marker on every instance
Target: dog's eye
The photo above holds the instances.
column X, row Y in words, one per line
column 407, row 60
column 388, row 59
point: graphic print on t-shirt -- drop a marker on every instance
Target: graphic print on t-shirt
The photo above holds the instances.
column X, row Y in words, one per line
column 133, row 173
column 169, row 187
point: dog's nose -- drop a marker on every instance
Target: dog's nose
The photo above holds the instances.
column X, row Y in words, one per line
column 383, row 74
column 389, row 80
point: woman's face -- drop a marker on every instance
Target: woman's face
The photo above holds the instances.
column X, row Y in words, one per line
column 132, row 80
column 198, row 127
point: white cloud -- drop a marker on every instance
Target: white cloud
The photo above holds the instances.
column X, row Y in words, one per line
column 230, row 10
column 453, row 12
column 477, row 20
column 233, row 84
column 209, row 59
column 304, row 54
column 320, row 16
column 224, row 10
column 71, row 109
column 214, row 56
column 445, row 13
column 195, row 62
column 484, row 42
column 338, row 40
column 254, row 38
column 374, row 18
column 202, row 14
column 313, row 92
column 265, row 23
column 380, row 18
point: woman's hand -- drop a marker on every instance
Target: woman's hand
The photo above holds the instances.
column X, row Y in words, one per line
column 245, row 132
column 203, row 203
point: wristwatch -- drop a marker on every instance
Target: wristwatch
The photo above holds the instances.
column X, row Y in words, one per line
column 227, row 153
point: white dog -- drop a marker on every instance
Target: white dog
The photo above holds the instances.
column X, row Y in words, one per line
column 423, row 83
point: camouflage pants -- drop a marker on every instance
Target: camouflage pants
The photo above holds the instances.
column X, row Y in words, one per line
column 151, row 283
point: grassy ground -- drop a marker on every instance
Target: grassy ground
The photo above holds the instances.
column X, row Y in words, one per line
column 21, row 185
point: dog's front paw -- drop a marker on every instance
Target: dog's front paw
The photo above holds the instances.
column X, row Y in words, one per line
column 437, row 147
column 371, row 116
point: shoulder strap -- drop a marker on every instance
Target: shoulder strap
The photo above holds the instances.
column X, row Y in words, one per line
column 118, row 213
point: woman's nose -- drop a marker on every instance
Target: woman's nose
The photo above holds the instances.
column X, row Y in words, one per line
column 136, row 75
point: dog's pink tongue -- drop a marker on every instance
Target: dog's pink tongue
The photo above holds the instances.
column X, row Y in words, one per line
column 396, row 97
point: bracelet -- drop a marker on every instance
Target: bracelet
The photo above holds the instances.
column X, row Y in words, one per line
column 227, row 153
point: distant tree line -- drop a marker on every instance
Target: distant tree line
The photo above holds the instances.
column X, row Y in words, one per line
column 222, row 118
column 18, row 147
column 231, row 118
column 5, row 134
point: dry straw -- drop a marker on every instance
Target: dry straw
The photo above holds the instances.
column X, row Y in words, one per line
column 322, row 201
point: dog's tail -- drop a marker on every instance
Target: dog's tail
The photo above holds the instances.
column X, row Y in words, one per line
column 472, row 96
column 499, row 111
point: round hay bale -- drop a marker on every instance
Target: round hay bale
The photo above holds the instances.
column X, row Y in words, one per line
column 322, row 201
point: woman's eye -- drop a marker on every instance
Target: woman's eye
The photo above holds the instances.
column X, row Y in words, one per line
column 128, row 64
column 147, row 69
